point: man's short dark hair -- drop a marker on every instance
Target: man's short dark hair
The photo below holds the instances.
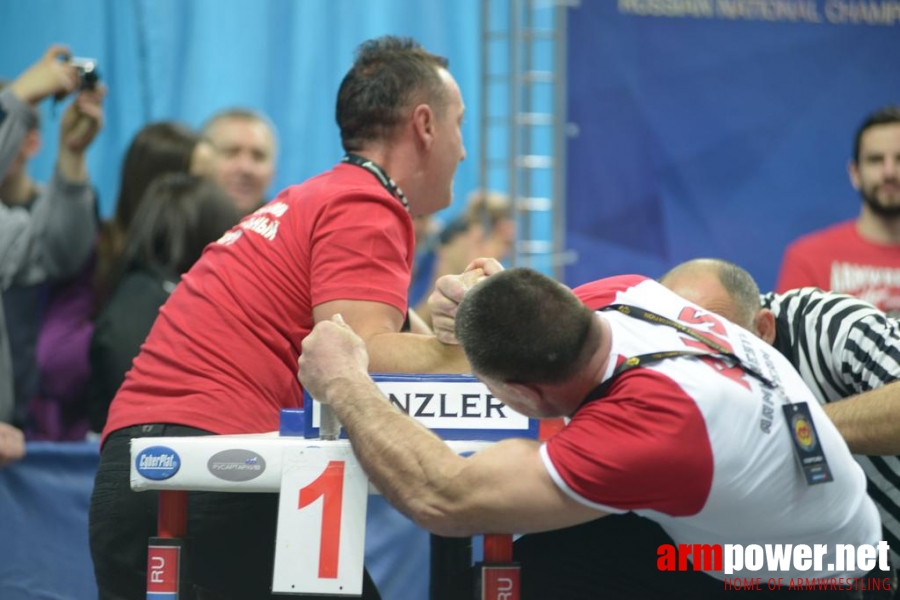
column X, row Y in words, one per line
column 390, row 75
column 520, row 326
column 883, row 116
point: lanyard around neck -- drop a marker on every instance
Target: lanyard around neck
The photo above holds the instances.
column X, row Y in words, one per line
column 378, row 172
column 645, row 359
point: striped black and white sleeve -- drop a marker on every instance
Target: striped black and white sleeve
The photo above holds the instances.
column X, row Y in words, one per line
column 840, row 345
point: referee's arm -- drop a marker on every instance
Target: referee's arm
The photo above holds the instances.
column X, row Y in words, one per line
column 868, row 356
column 869, row 422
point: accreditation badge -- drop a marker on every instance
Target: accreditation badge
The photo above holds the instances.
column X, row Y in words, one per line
column 806, row 442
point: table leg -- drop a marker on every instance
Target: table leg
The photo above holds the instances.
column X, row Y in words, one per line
column 498, row 575
column 166, row 572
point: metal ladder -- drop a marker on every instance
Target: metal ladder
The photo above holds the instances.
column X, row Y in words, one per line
column 523, row 123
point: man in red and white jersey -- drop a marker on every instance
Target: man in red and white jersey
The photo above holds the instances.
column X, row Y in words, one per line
column 675, row 414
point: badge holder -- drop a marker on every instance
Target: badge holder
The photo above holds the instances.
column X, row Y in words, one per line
column 807, row 447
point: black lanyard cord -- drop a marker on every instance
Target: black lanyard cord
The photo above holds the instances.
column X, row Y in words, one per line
column 645, row 359
column 389, row 184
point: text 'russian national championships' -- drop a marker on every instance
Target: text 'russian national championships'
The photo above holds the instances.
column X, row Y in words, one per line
column 833, row 12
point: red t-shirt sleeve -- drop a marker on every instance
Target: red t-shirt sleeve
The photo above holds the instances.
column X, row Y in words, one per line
column 361, row 249
column 796, row 271
column 643, row 446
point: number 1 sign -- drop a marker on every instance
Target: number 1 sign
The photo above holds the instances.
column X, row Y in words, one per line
column 320, row 541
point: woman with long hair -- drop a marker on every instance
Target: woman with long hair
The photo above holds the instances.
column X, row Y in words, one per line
column 178, row 217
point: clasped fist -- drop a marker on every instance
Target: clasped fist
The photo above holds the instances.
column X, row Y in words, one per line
column 330, row 352
column 449, row 291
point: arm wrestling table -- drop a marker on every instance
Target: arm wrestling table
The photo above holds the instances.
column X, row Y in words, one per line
column 463, row 413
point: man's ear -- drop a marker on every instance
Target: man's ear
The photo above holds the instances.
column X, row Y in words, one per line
column 526, row 390
column 764, row 325
column 423, row 125
column 853, row 171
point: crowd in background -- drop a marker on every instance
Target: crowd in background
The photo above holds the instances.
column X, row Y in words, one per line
column 80, row 293
column 72, row 334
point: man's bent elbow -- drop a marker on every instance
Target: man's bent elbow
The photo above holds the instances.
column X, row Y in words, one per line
column 441, row 519
column 446, row 525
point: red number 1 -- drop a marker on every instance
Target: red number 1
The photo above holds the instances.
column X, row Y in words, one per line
column 330, row 487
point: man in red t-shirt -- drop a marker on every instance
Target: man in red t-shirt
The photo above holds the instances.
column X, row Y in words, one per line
column 222, row 355
column 859, row 257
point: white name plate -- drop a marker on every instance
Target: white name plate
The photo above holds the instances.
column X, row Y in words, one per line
column 455, row 407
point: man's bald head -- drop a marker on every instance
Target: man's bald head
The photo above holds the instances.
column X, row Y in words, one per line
column 719, row 286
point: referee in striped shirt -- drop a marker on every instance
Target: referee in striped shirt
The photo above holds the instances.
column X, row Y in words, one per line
column 847, row 351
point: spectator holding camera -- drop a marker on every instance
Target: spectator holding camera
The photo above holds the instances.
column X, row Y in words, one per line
column 59, row 408
column 46, row 232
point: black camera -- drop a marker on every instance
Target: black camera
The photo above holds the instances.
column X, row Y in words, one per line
column 88, row 75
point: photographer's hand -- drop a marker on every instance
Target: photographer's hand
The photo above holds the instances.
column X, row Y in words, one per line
column 80, row 123
column 49, row 76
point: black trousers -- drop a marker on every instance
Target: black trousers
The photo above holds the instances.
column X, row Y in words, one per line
column 231, row 537
column 615, row 558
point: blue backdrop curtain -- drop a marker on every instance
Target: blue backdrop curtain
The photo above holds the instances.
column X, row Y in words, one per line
column 171, row 59
column 183, row 60
column 717, row 128
column 711, row 127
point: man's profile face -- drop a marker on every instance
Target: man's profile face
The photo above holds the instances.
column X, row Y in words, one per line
column 244, row 159
column 448, row 150
column 877, row 173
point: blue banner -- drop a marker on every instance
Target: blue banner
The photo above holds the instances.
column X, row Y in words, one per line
column 717, row 127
